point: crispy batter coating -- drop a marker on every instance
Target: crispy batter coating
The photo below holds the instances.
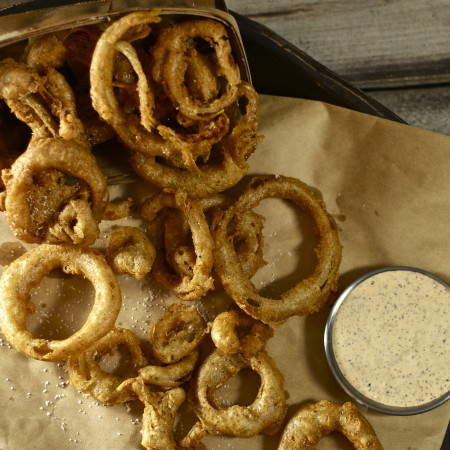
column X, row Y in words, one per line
column 88, row 377
column 177, row 333
column 223, row 171
column 26, row 272
column 248, row 237
column 40, row 184
column 159, row 414
column 171, row 54
column 119, row 209
column 187, row 287
column 235, row 332
column 265, row 414
column 315, row 420
column 309, row 294
column 45, row 102
column 129, row 250
column 171, row 375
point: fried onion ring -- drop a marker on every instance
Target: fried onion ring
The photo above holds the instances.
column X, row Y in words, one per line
column 311, row 293
column 186, row 287
column 265, row 414
column 46, row 103
column 177, row 333
column 26, row 273
column 159, row 414
column 33, row 203
column 143, row 132
column 172, row 53
column 171, row 375
column 193, row 438
column 76, row 224
column 226, row 333
column 217, row 174
column 129, row 250
column 136, row 132
column 88, row 377
column 315, row 420
column 119, row 209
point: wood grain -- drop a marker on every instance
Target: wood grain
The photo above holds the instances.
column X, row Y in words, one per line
column 371, row 43
column 427, row 108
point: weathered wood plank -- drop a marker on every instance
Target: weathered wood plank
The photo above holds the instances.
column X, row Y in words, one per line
column 427, row 108
column 372, row 43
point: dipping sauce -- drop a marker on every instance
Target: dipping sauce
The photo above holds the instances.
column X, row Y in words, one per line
column 390, row 337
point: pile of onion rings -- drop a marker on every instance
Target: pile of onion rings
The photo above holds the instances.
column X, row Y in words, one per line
column 171, row 93
column 183, row 121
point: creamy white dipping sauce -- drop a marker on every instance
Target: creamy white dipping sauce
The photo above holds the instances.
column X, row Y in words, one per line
column 391, row 338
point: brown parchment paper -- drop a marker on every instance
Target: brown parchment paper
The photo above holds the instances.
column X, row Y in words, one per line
column 388, row 187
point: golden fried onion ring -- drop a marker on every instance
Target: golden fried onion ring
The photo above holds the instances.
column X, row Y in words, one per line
column 310, row 294
column 27, row 271
column 185, row 287
column 118, row 209
column 43, row 155
column 217, row 174
column 129, row 250
column 247, row 234
column 177, row 333
column 171, row 375
column 227, row 330
column 136, row 132
column 315, row 420
column 46, row 103
column 265, row 414
column 159, row 414
column 172, row 53
column 76, row 224
column 88, row 377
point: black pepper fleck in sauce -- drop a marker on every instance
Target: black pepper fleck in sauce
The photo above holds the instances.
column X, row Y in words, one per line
column 390, row 338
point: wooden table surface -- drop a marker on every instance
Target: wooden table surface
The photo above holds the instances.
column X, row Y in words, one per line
column 397, row 51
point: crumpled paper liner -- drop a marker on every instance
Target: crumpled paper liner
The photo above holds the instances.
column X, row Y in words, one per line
column 388, row 187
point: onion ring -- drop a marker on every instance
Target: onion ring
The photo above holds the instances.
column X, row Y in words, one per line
column 217, row 174
column 26, row 272
column 88, row 377
column 139, row 133
column 46, row 51
column 314, row 420
column 45, row 155
column 76, row 224
column 46, row 103
column 186, row 287
column 159, row 414
column 177, row 333
column 119, row 209
column 128, row 250
column 171, row 375
column 226, row 337
column 135, row 132
column 310, row 294
column 193, row 438
column 265, row 414
column 171, row 65
column 248, row 239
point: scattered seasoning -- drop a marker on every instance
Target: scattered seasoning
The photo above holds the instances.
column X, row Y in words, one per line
column 391, row 338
